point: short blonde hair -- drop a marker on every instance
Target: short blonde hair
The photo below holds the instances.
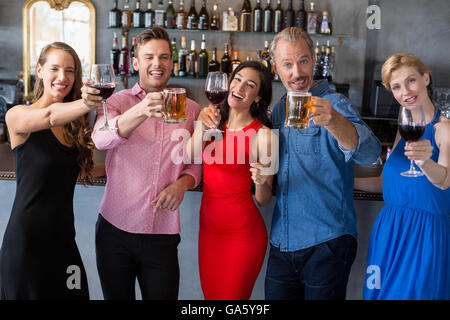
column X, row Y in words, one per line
column 291, row 34
column 398, row 60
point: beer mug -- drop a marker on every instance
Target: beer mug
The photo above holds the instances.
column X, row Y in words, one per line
column 298, row 109
column 174, row 107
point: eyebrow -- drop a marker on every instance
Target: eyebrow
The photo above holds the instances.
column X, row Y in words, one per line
column 248, row 80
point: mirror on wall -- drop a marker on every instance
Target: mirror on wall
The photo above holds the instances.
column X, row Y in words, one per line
column 46, row 21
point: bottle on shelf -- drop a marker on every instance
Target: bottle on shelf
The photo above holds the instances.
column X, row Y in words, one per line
column 215, row 18
column 332, row 60
column 278, row 18
column 326, row 71
column 149, row 15
column 127, row 15
column 301, row 16
column 124, row 66
column 182, row 58
column 214, row 65
column 181, row 16
column 203, row 17
column 193, row 62
column 312, row 19
column 257, row 17
column 289, row 16
column 225, row 64
column 115, row 54
column 235, row 62
column 160, row 15
column 317, row 70
column 171, row 22
column 192, row 17
column 325, row 24
column 230, row 21
column 176, row 65
column 115, row 18
column 246, row 17
column 138, row 16
column 203, row 59
column 131, row 71
column 265, row 57
column 268, row 18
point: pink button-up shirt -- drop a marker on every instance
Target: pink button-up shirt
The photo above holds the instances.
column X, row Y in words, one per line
column 140, row 167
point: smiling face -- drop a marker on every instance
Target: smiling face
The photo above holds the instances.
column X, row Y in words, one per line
column 294, row 63
column 409, row 87
column 154, row 63
column 244, row 89
column 57, row 74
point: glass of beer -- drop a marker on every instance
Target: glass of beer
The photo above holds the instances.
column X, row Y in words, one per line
column 174, row 108
column 298, row 109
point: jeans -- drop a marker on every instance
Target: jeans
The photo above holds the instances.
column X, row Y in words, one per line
column 316, row 273
column 122, row 257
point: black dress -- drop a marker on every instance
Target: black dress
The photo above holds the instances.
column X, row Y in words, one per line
column 39, row 258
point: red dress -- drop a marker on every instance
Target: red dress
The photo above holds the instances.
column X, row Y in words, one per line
column 232, row 236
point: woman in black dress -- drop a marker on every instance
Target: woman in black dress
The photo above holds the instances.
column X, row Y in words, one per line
column 51, row 144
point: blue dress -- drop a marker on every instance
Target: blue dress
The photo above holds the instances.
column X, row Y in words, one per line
column 409, row 247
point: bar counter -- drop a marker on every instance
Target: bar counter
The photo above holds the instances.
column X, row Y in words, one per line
column 7, row 173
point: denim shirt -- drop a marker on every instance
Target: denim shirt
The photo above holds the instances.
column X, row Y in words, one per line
column 315, row 177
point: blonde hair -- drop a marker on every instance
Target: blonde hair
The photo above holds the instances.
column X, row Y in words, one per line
column 291, row 34
column 78, row 131
column 398, row 60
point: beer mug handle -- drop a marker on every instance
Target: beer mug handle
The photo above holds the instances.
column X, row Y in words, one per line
column 163, row 109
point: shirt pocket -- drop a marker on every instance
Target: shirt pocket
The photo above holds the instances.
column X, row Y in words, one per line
column 307, row 141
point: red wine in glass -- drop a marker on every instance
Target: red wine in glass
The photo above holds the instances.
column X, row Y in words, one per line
column 411, row 126
column 103, row 79
column 216, row 89
column 216, row 95
column 106, row 90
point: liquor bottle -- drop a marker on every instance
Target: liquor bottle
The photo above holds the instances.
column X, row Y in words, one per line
column 257, row 17
column 278, row 18
column 193, row 63
column 230, row 21
column 265, row 57
column 312, row 19
column 215, row 19
column 171, row 22
column 326, row 71
column 124, row 67
column 214, row 64
column 316, row 70
column 149, row 16
column 325, row 25
column 115, row 54
column 192, row 18
column 235, row 62
column 130, row 63
column 246, row 17
column 203, row 59
column 225, row 64
column 203, row 17
column 301, row 16
column 127, row 15
column 176, row 65
column 181, row 16
column 182, row 58
column 268, row 18
column 160, row 15
column 138, row 16
column 115, row 16
column 289, row 16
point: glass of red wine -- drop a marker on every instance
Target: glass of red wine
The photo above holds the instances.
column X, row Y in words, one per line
column 411, row 126
column 103, row 79
column 216, row 88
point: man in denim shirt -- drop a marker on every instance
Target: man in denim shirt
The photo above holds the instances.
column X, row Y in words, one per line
column 313, row 235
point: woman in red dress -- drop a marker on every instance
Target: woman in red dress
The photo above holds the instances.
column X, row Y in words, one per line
column 232, row 236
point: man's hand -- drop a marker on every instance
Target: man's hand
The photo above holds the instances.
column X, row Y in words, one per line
column 171, row 197
column 323, row 112
column 151, row 105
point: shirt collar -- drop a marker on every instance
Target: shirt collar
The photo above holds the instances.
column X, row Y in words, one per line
column 138, row 91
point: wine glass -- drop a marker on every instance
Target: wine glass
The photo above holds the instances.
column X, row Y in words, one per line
column 216, row 88
column 411, row 126
column 103, row 79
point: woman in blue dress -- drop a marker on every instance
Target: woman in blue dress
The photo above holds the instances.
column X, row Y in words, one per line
column 409, row 248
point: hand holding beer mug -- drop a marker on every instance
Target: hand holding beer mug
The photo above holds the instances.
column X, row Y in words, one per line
column 174, row 107
column 298, row 109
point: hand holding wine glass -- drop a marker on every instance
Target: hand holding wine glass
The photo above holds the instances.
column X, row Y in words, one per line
column 216, row 88
column 103, row 79
column 411, row 126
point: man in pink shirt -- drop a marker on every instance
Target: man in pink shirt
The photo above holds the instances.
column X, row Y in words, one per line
column 137, row 232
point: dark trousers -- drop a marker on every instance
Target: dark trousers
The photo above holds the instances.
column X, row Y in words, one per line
column 122, row 257
column 316, row 273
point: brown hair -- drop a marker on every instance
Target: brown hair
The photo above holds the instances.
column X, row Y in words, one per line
column 291, row 34
column 398, row 60
column 78, row 131
column 154, row 33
